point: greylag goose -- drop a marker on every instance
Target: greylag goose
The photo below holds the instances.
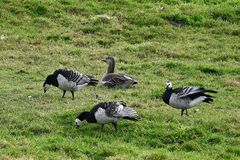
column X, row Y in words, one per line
column 107, row 112
column 187, row 97
column 68, row 80
column 112, row 80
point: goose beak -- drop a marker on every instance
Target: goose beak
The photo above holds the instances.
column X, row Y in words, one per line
column 46, row 87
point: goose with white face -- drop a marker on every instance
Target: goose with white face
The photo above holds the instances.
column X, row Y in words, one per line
column 186, row 97
column 107, row 112
column 68, row 80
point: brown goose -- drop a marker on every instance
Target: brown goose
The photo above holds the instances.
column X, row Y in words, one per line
column 114, row 80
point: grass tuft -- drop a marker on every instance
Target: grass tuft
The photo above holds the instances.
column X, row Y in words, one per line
column 208, row 70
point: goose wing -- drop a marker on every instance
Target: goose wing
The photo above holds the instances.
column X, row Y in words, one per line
column 114, row 109
column 74, row 76
column 111, row 109
column 106, row 111
column 120, row 110
column 117, row 79
column 188, row 91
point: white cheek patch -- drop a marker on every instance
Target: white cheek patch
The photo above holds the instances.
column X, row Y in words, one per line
column 78, row 122
column 169, row 84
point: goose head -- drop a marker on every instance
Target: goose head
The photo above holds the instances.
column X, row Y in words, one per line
column 169, row 84
column 81, row 117
column 111, row 64
column 48, row 82
column 109, row 60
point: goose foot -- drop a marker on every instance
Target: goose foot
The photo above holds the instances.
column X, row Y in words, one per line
column 63, row 94
column 72, row 95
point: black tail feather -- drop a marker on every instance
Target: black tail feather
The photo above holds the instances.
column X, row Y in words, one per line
column 93, row 82
column 135, row 82
column 210, row 91
column 208, row 100
column 209, row 96
column 131, row 118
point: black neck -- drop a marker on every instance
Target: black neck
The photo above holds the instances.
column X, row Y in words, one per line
column 111, row 67
column 51, row 80
column 90, row 118
column 55, row 82
column 166, row 95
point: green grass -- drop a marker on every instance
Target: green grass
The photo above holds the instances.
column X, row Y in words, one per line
column 37, row 37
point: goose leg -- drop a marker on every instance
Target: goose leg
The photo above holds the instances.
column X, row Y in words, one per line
column 102, row 126
column 63, row 94
column 115, row 125
column 182, row 112
column 187, row 113
column 72, row 95
column 96, row 95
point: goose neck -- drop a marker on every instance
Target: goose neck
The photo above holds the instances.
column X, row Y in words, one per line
column 111, row 67
column 90, row 118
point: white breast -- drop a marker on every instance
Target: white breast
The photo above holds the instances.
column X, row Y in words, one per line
column 101, row 117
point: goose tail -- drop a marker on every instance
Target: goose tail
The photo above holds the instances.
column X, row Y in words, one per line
column 210, row 91
column 93, row 81
column 208, row 100
column 130, row 114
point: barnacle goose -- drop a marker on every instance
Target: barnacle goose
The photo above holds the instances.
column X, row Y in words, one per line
column 187, row 97
column 107, row 112
column 68, row 80
column 111, row 79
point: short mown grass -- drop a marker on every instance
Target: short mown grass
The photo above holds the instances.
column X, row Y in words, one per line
column 190, row 42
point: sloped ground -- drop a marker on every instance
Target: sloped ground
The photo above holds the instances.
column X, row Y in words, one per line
column 188, row 42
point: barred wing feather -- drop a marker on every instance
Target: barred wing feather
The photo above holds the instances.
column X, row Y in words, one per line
column 124, row 112
column 74, row 76
column 187, row 91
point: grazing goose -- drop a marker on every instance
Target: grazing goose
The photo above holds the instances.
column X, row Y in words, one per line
column 107, row 112
column 111, row 79
column 68, row 80
column 187, row 97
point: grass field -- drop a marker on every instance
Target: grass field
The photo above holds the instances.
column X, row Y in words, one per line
column 190, row 42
